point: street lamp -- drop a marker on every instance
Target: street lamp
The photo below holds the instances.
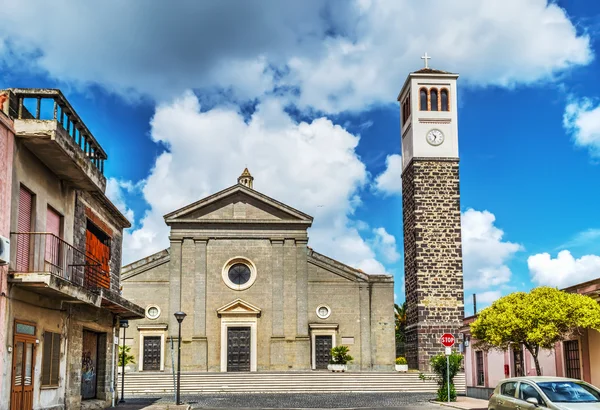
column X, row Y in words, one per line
column 124, row 323
column 179, row 316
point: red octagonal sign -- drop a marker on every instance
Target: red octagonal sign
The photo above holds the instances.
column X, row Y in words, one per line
column 447, row 340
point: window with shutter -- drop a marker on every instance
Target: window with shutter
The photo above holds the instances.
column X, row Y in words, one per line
column 51, row 359
column 24, row 225
column 52, row 241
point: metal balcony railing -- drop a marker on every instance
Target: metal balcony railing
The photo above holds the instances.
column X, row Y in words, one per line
column 43, row 252
column 50, row 104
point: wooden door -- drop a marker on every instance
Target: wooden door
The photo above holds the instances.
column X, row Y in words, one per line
column 152, row 353
column 323, row 346
column 24, row 225
column 238, row 349
column 89, row 364
column 23, row 370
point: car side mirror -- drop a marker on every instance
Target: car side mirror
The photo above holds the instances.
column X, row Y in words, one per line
column 533, row 401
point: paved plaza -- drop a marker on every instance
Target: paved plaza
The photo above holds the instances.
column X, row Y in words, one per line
column 291, row 401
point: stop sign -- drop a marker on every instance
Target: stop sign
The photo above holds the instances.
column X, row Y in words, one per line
column 447, row 340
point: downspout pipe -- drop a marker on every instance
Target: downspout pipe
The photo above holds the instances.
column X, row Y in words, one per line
column 112, row 368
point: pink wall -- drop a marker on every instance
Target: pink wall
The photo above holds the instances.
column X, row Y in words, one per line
column 6, row 159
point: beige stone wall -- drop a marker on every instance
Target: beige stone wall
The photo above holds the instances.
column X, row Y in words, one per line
column 291, row 281
column 282, row 343
column 149, row 288
column 48, row 191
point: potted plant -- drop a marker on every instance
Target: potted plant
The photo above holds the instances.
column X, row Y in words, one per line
column 124, row 354
column 401, row 364
column 339, row 359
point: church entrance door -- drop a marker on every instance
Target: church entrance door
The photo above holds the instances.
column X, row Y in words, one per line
column 322, row 351
column 152, row 353
column 238, row 349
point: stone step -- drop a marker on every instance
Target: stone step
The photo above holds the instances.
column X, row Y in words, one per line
column 271, row 382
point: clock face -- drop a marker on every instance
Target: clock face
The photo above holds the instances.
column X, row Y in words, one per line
column 435, row 137
column 239, row 274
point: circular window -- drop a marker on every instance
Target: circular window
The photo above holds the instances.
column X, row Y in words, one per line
column 152, row 312
column 239, row 273
column 323, row 311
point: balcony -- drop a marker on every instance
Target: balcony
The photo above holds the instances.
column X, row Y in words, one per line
column 45, row 264
column 50, row 128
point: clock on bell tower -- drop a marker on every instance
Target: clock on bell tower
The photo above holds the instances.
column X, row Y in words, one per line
column 431, row 212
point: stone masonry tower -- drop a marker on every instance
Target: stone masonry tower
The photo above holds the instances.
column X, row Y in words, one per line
column 246, row 178
column 431, row 211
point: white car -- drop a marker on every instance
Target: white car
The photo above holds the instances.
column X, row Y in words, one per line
column 557, row 393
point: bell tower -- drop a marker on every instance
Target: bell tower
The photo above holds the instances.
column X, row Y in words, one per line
column 246, row 178
column 431, row 211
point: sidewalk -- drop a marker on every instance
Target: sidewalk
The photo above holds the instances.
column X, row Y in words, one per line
column 141, row 404
column 465, row 403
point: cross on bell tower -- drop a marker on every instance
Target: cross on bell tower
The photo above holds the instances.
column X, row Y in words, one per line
column 426, row 58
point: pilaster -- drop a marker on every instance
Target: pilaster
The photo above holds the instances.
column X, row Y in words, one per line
column 289, row 289
column 364, row 296
column 200, row 291
column 301, row 288
column 175, row 285
column 278, row 288
column 188, row 287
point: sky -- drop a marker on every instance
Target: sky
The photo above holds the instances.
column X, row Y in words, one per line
column 183, row 97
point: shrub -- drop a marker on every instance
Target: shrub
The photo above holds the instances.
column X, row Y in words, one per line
column 442, row 393
column 438, row 365
column 125, row 354
column 401, row 360
column 339, row 355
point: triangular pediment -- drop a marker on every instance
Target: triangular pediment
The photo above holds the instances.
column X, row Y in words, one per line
column 239, row 307
column 237, row 203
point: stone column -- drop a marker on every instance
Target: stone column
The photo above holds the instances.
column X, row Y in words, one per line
column 277, row 296
column 364, row 297
column 199, row 340
column 174, row 285
column 303, row 359
column 289, row 301
column 188, row 288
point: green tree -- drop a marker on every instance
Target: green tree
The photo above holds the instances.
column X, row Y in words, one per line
column 124, row 354
column 400, row 319
column 537, row 320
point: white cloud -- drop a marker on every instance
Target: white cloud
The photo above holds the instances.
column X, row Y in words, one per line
column 385, row 244
column 564, row 270
column 485, row 254
column 582, row 120
column 310, row 166
column 487, row 298
column 389, row 182
column 115, row 191
column 335, row 56
column 581, row 239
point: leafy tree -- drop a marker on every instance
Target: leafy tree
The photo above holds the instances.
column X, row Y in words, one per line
column 400, row 319
column 537, row 320
column 125, row 354
column 440, row 367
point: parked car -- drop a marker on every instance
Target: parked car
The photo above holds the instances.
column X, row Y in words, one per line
column 557, row 393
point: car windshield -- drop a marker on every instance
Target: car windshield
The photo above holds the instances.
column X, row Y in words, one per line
column 569, row 392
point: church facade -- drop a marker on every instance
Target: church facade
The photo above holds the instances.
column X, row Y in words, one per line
column 257, row 298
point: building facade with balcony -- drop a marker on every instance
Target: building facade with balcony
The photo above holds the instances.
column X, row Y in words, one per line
column 578, row 357
column 63, row 293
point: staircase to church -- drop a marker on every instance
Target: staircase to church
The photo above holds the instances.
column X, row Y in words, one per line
column 160, row 384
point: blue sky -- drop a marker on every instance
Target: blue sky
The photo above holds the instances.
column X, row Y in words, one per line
column 182, row 99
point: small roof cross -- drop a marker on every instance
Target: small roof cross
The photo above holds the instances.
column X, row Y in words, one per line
column 426, row 57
